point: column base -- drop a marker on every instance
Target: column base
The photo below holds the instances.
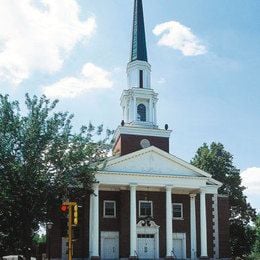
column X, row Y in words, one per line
column 95, row 258
column 133, row 257
column 204, row 257
column 169, row 257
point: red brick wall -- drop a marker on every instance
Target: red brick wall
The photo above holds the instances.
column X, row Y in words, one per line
column 223, row 215
column 124, row 235
column 209, row 205
column 131, row 143
column 117, row 146
column 109, row 224
column 122, row 222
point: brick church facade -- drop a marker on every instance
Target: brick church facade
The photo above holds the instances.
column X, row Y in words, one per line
column 147, row 203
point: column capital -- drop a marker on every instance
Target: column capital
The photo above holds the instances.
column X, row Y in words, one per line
column 168, row 187
column 133, row 185
column 95, row 185
column 193, row 195
column 203, row 189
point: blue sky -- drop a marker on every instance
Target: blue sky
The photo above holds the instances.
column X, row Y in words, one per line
column 204, row 56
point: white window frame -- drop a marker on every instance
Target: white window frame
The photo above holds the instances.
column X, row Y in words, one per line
column 104, row 208
column 180, row 204
column 145, row 201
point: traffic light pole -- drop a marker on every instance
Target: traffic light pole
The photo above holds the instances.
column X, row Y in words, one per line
column 70, row 233
column 73, row 220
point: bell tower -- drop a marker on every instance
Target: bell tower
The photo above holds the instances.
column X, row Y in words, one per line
column 139, row 127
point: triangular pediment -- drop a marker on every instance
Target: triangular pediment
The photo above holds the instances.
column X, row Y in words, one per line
column 153, row 160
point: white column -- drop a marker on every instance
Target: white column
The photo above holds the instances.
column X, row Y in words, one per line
column 169, row 221
column 203, row 224
column 150, row 110
column 95, row 221
column 134, row 111
column 124, row 117
column 193, row 238
column 155, row 114
column 133, row 234
column 90, row 224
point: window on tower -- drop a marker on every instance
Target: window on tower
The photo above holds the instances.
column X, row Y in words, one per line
column 141, row 79
column 141, row 113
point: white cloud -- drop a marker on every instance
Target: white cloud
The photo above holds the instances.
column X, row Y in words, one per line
column 251, row 180
column 179, row 37
column 91, row 77
column 38, row 35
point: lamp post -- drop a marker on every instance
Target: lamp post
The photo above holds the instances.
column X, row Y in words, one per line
column 49, row 227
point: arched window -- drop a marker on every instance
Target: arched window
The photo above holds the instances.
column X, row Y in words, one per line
column 141, row 113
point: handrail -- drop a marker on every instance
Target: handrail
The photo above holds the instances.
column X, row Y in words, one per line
column 173, row 254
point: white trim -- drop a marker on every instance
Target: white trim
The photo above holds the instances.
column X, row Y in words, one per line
column 135, row 130
column 104, row 208
column 164, row 154
column 177, row 218
column 152, row 175
column 109, row 234
column 139, row 208
column 190, row 184
column 140, row 63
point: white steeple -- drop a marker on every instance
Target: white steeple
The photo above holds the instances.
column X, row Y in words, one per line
column 139, row 100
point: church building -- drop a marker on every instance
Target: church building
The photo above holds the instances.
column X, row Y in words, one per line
column 147, row 203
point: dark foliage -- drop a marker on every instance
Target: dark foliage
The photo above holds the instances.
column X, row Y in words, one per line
column 40, row 157
column 215, row 160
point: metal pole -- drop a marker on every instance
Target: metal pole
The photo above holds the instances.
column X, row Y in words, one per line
column 48, row 241
column 70, row 232
column 49, row 244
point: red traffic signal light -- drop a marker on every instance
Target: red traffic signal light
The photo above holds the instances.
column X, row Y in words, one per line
column 64, row 208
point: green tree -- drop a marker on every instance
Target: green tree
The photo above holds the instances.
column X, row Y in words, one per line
column 40, row 157
column 215, row 160
column 257, row 241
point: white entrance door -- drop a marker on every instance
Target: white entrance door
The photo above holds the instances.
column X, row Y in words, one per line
column 146, row 246
column 109, row 245
column 179, row 245
column 178, row 248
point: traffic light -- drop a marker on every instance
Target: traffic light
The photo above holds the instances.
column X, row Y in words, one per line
column 75, row 215
column 64, row 208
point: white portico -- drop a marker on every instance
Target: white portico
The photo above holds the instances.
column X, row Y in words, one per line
column 159, row 171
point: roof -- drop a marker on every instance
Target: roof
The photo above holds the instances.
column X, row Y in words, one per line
column 153, row 160
column 138, row 51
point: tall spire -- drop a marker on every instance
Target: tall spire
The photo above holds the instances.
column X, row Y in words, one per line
column 138, row 51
